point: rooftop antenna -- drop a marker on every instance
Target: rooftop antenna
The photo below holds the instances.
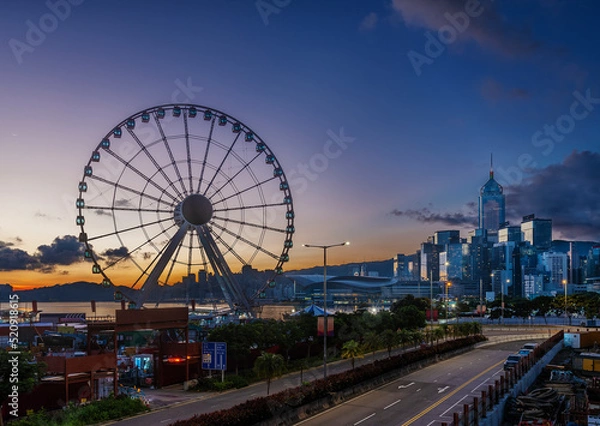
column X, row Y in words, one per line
column 491, row 166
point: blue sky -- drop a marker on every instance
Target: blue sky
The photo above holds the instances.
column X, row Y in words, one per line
column 417, row 143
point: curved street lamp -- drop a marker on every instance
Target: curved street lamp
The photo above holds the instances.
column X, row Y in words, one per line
column 324, row 248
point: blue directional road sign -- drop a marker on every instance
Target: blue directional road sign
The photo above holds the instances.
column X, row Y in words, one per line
column 214, row 356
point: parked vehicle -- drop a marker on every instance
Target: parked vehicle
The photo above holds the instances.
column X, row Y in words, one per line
column 512, row 361
column 531, row 345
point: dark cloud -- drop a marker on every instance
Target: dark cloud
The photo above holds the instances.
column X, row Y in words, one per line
column 568, row 193
column 115, row 254
column 122, row 202
column 490, row 30
column 102, row 213
column 425, row 215
column 12, row 259
column 63, row 251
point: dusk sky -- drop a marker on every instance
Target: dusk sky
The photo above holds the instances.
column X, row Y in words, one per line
column 382, row 113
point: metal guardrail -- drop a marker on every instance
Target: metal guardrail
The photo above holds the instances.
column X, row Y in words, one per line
column 475, row 412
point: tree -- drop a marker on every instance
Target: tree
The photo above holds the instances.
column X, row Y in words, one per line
column 372, row 341
column 351, row 350
column 410, row 317
column 390, row 339
column 29, row 374
column 542, row 305
column 269, row 365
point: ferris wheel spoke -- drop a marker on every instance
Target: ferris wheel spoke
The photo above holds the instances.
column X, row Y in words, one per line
column 250, row 224
column 231, row 250
column 145, row 243
column 235, row 194
column 127, row 188
column 168, row 148
column 148, row 179
column 167, row 254
column 131, row 209
column 245, row 240
column 154, row 162
column 188, row 152
column 149, row 266
column 228, row 181
column 133, row 228
column 257, row 206
column 218, row 170
column 205, row 159
column 173, row 262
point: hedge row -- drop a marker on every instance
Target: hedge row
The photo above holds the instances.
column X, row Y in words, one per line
column 264, row 408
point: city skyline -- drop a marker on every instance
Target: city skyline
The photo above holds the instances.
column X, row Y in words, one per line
column 383, row 115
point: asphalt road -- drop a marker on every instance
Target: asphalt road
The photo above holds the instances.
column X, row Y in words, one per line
column 425, row 397
column 421, row 395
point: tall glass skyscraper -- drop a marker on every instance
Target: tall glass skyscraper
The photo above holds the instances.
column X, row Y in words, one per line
column 491, row 205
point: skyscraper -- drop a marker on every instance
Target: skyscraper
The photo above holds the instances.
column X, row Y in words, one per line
column 491, row 204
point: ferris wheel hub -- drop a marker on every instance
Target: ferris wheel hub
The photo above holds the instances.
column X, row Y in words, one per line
column 196, row 209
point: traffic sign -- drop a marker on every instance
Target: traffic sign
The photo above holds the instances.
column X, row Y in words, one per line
column 214, row 356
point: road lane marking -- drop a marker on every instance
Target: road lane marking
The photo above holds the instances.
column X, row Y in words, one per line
column 442, row 390
column 480, row 384
column 392, row 404
column 164, row 421
column 451, row 408
column 366, row 418
column 450, row 394
column 405, row 386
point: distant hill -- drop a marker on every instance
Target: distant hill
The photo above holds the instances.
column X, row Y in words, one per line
column 84, row 291
column 384, row 268
column 72, row 292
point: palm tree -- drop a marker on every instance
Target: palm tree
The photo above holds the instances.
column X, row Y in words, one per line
column 351, row 349
column 438, row 333
column 372, row 342
column 269, row 365
column 389, row 339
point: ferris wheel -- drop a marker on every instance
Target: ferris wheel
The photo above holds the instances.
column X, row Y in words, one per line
column 178, row 189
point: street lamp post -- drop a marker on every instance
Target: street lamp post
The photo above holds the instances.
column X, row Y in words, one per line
column 448, row 285
column 325, row 331
column 481, row 300
column 565, row 284
column 431, row 299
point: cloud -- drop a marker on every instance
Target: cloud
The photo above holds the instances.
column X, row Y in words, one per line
column 122, row 202
column 115, row 254
column 489, row 30
column 369, row 22
column 102, row 213
column 63, row 251
column 425, row 215
column 568, row 193
column 15, row 259
column 494, row 91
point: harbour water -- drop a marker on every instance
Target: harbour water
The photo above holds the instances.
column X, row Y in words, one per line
column 107, row 309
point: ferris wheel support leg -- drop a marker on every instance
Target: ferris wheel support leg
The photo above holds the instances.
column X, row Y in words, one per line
column 225, row 278
column 152, row 280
